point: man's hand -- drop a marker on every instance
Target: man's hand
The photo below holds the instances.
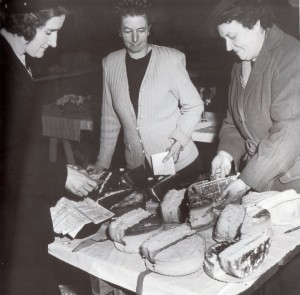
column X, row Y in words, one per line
column 233, row 193
column 78, row 183
column 221, row 165
column 174, row 151
column 94, row 168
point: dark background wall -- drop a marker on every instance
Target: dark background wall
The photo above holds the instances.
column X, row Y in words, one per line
column 90, row 32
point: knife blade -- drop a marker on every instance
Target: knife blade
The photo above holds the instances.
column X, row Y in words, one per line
column 292, row 229
column 87, row 243
column 100, row 236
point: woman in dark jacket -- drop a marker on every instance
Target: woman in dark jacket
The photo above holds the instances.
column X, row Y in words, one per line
column 262, row 127
column 30, row 184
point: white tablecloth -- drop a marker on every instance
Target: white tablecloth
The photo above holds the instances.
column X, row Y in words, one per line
column 104, row 261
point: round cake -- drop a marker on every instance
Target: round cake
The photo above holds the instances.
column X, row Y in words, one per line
column 163, row 239
column 181, row 258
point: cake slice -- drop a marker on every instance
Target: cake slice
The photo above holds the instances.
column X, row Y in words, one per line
column 201, row 214
column 245, row 256
column 284, row 206
column 253, row 198
column 128, row 203
column 182, row 258
column 131, row 229
column 164, row 239
column 171, row 206
column 209, row 190
column 211, row 263
column 257, row 220
column 117, row 228
column 229, row 223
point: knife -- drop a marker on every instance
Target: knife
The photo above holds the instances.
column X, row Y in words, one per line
column 292, row 229
column 100, row 236
column 88, row 242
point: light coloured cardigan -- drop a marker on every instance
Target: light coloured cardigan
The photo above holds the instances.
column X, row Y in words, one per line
column 169, row 108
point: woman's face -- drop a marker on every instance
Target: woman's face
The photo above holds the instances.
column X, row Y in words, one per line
column 135, row 32
column 45, row 36
column 246, row 43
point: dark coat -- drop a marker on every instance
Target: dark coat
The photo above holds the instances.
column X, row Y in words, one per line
column 30, row 184
column 263, row 120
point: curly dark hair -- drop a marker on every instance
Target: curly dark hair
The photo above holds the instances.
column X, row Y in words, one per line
column 26, row 24
column 247, row 12
column 134, row 8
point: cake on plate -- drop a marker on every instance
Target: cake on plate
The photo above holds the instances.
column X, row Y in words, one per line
column 257, row 220
column 246, row 255
column 284, row 206
column 201, row 214
column 174, row 252
column 229, row 223
column 181, row 258
column 131, row 229
column 163, row 239
column 209, row 190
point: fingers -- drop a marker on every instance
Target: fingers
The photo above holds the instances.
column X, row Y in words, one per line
column 167, row 157
column 216, row 166
column 223, row 171
column 92, row 183
column 79, row 183
column 83, row 190
column 174, row 151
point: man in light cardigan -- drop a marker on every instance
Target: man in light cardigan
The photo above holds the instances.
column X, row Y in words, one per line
column 147, row 91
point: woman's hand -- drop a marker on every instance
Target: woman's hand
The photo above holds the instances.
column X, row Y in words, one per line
column 174, row 151
column 233, row 193
column 221, row 165
column 78, row 183
column 94, row 168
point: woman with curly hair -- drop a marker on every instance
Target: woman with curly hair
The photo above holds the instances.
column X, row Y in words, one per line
column 30, row 184
column 147, row 92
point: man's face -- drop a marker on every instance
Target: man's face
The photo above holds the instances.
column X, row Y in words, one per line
column 135, row 32
column 45, row 36
column 246, row 43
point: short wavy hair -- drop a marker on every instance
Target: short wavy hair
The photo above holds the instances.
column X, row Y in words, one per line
column 25, row 25
column 134, row 8
column 246, row 12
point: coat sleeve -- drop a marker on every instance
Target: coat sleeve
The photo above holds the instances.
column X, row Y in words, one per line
column 41, row 180
column 110, row 124
column 278, row 151
column 191, row 104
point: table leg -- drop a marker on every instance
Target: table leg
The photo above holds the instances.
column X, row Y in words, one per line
column 53, row 149
column 68, row 152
